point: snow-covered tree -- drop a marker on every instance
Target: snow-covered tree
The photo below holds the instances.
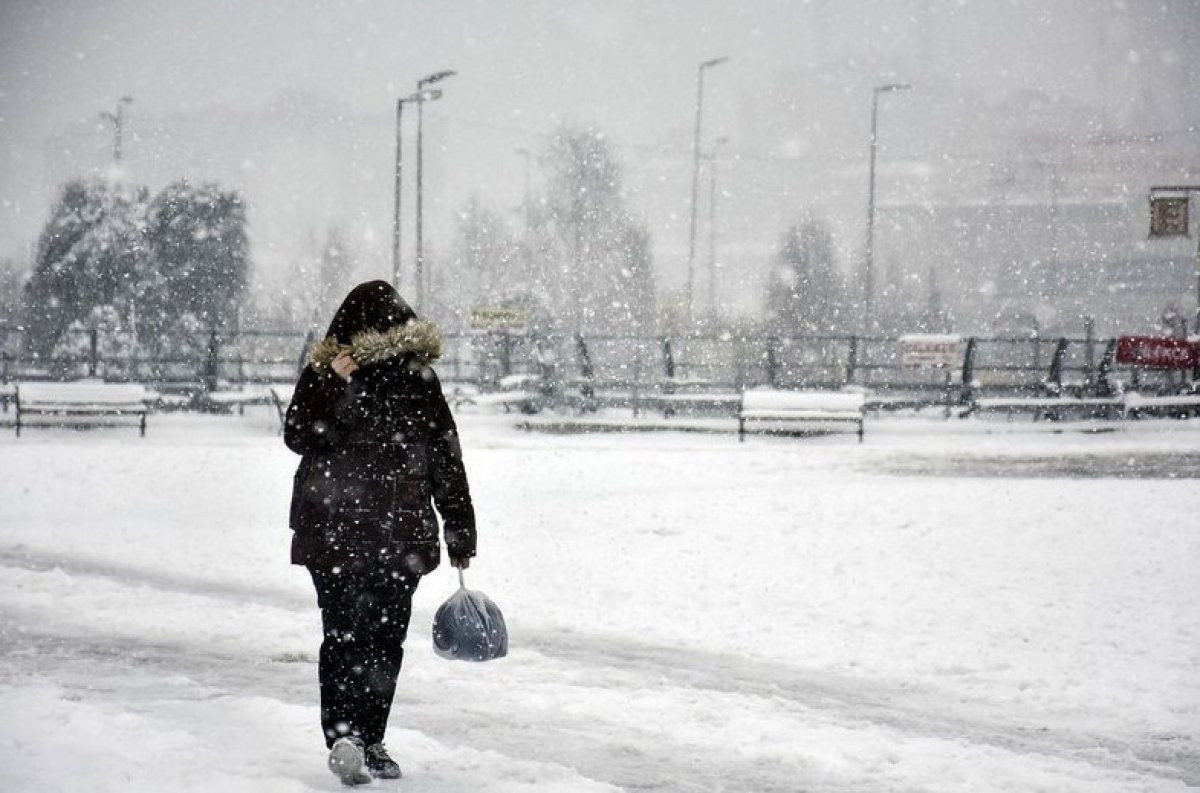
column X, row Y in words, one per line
column 804, row 289
column 486, row 258
column 603, row 281
column 11, row 277
column 151, row 263
column 92, row 252
column 199, row 249
column 116, row 344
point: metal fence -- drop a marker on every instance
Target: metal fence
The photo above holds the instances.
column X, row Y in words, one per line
column 625, row 364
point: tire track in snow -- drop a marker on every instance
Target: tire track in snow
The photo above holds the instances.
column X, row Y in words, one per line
column 625, row 664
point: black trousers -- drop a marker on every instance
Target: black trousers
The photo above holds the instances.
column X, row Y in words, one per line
column 364, row 615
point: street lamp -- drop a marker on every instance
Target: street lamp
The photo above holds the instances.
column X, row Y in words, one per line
column 868, row 269
column 418, row 98
column 712, row 224
column 118, row 121
column 424, row 96
column 691, row 262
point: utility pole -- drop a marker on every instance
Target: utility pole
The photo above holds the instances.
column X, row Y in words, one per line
column 869, row 262
column 712, row 226
column 429, row 79
column 396, row 204
column 691, row 261
column 117, row 119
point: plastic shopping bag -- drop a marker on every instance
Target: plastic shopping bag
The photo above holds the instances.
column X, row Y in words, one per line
column 469, row 627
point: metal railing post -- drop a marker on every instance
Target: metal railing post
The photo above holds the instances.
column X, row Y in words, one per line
column 210, row 363
column 968, row 370
column 851, row 360
column 772, row 362
column 94, row 351
column 587, row 374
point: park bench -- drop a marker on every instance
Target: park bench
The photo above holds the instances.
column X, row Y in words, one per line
column 228, row 399
column 82, row 403
column 1047, row 407
column 1178, row 405
column 689, row 396
column 787, row 411
column 281, row 397
column 522, row 392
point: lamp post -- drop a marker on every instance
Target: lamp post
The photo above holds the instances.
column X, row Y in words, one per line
column 691, row 262
column 869, row 262
column 400, row 103
column 712, row 225
column 117, row 119
column 423, row 96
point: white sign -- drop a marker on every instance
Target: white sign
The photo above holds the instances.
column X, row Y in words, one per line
column 500, row 318
column 930, row 351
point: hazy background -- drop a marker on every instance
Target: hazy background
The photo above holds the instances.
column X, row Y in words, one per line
column 1021, row 111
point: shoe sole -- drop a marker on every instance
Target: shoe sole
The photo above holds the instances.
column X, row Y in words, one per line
column 346, row 762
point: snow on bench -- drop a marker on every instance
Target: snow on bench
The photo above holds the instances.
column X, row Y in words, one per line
column 1042, row 407
column 281, row 397
column 669, row 402
column 783, row 408
column 1136, row 404
column 524, row 401
column 1128, row 405
column 83, row 403
column 240, row 399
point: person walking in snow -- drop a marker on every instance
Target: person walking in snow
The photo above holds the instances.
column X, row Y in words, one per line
column 378, row 444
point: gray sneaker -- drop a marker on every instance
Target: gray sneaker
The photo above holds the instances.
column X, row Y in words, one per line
column 347, row 760
column 380, row 764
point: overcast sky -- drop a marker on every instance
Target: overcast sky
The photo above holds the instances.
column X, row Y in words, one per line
column 798, row 84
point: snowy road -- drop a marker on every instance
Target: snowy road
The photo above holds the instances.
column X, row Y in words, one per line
column 670, row 659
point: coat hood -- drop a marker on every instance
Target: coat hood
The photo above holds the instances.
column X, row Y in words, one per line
column 419, row 338
column 373, row 305
column 374, row 323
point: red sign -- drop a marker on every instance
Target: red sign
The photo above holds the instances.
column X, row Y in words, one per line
column 1157, row 352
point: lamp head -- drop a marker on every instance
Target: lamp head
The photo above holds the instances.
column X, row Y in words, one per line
column 714, row 62
column 890, row 87
column 426, row 95
column 429, row 79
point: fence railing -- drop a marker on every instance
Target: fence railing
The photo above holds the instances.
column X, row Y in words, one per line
column 623, row 363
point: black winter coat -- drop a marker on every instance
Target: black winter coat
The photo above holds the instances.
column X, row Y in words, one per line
column 375, row 451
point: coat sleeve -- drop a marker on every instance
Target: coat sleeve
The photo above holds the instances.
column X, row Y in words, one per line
column 451, row 494
column 311, row 422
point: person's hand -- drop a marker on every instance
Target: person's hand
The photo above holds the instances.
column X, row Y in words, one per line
column 344, row 365
column 461, row 564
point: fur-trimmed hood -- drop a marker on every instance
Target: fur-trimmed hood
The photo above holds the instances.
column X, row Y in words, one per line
column 417, row 337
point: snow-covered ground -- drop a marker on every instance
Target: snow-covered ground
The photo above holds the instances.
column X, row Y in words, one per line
column 965, row 606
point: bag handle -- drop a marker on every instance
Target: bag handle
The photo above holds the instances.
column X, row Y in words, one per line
column 461, row 585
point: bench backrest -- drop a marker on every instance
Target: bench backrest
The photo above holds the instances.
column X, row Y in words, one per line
column 83, row 392
column 283, row 393
column 1135, row 400
column 772, row 400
